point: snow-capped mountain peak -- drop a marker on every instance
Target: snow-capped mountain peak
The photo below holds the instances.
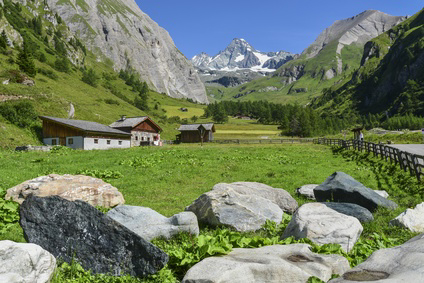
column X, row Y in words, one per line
column 239, row 54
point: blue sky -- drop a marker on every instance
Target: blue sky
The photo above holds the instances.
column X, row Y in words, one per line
column 268, row 25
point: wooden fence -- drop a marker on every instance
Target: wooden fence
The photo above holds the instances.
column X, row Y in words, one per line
column 263, row 141
column 406, row 161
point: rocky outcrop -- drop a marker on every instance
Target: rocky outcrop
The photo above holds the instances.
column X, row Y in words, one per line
column 77, row 231
column 22, row 263
column 71, row 187
column 404, row 263
column 150, row 224
column 245, row 206
column 120, row 31
column 323, row 225
column 411, row 219
column 340, row 187
column 284, row 264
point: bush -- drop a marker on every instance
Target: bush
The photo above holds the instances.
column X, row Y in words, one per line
column 111, row 101
column 15, row 76
column 62, row 64
column 90, row 77
column 48, row 73
column 21, row 113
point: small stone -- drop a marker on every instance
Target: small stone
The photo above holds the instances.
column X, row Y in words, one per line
column 411, row 219
column 307, row 191
column 382, row 193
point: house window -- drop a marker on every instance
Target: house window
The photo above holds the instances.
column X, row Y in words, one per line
column 136, row 138
column 120, row 142
column 70, row 141
column 108, row 141
column 96, row 141
column 54, row 142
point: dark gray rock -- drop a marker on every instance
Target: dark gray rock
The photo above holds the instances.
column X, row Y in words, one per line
column 77, row 230
column 340, row 187
column 351, row 209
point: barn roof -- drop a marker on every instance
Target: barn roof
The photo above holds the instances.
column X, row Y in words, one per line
column 87, row 126
column 131, row 122
column 195, row 127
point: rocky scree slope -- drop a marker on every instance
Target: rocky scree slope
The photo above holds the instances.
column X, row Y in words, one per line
column 390, row 79
column 118, row 30
column 329, row 45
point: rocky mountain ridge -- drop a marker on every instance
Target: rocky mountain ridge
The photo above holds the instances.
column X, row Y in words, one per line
column 119, row 31
column 239, row 54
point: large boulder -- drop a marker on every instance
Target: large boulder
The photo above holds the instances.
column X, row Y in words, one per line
column 22, row 262
column 341, row 187
column 351, row 209
column 404, row 263
column 279, row 263
column 76, row 230
column 307, row 191
column 244, row 206
column 323, row 225
column 71, row 187
column 412, row 219
column 150, row 224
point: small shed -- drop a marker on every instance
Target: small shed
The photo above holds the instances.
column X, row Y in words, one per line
column 143, row 130
column 192, row 132
column 80, row 134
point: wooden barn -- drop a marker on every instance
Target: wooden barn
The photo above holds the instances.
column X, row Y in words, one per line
column 143, row 130
column 194, row 132
column 79, row 134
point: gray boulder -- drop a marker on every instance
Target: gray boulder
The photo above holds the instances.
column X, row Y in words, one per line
column 382, row 193
column 404, row 263
column 279, row 263
column 351, row 209
column 323, row 225
column 76, row 230
column 26, row 263
column 150, row 224
column 307, row 191
column 412, row 219
column 341, row 187
column 244, row 206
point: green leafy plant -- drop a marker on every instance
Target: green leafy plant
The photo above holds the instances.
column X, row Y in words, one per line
column 105, row 174
column 9, row 212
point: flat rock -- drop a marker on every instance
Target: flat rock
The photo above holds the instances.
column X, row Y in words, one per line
column 150, row 224
column 245, row 206
column 382, row 193
column 323, row 225
column 76, row 230
column 340, row 187
column 279, row 263
column 412, row 219
column 351, row 209
column 22, row 263
column 404, row 263
column 71, row 187
column 307, row 191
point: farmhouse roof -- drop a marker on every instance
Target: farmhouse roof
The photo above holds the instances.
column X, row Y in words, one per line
column 131, row 122
column 87, row 126
column 195, row 127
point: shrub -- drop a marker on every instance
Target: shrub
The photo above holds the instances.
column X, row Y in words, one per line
column 62, row 64
column 48, row 73
column 90, row 77
column 111, row 101
column 21, row 113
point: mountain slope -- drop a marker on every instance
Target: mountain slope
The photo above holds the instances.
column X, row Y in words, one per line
column 390, row 79
column 329, row 60
column 119, row 31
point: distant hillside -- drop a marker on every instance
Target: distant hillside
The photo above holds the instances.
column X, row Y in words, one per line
column 33, row 50
column 329, row 60
column 390, row 79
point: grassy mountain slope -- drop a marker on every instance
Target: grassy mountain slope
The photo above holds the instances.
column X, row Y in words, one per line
column 390, row 79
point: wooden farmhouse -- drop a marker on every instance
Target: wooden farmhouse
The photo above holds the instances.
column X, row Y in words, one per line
column 143, row 130
column 193, row 132
column 79, row 134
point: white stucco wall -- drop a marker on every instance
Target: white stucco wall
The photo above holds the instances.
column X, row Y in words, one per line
column 143, row 137
column 102, row 144
column 48, row 141
column 78, row 142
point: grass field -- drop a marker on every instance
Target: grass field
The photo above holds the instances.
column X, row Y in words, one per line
column 169, row 178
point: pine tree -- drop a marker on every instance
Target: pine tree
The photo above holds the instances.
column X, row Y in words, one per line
column 25, row 62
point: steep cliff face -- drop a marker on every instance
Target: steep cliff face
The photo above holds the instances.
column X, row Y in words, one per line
column 120, row 31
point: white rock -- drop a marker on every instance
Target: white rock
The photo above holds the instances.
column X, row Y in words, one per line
column 307, row 191
column 25, row 263
column 283, row 264
column 71, row 187
column 412, row 219
column 382, row 193
column 150, row 224
column 324, row 225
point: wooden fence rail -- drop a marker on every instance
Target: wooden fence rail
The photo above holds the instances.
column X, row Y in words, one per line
column 263, row 141
column 406, row 161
